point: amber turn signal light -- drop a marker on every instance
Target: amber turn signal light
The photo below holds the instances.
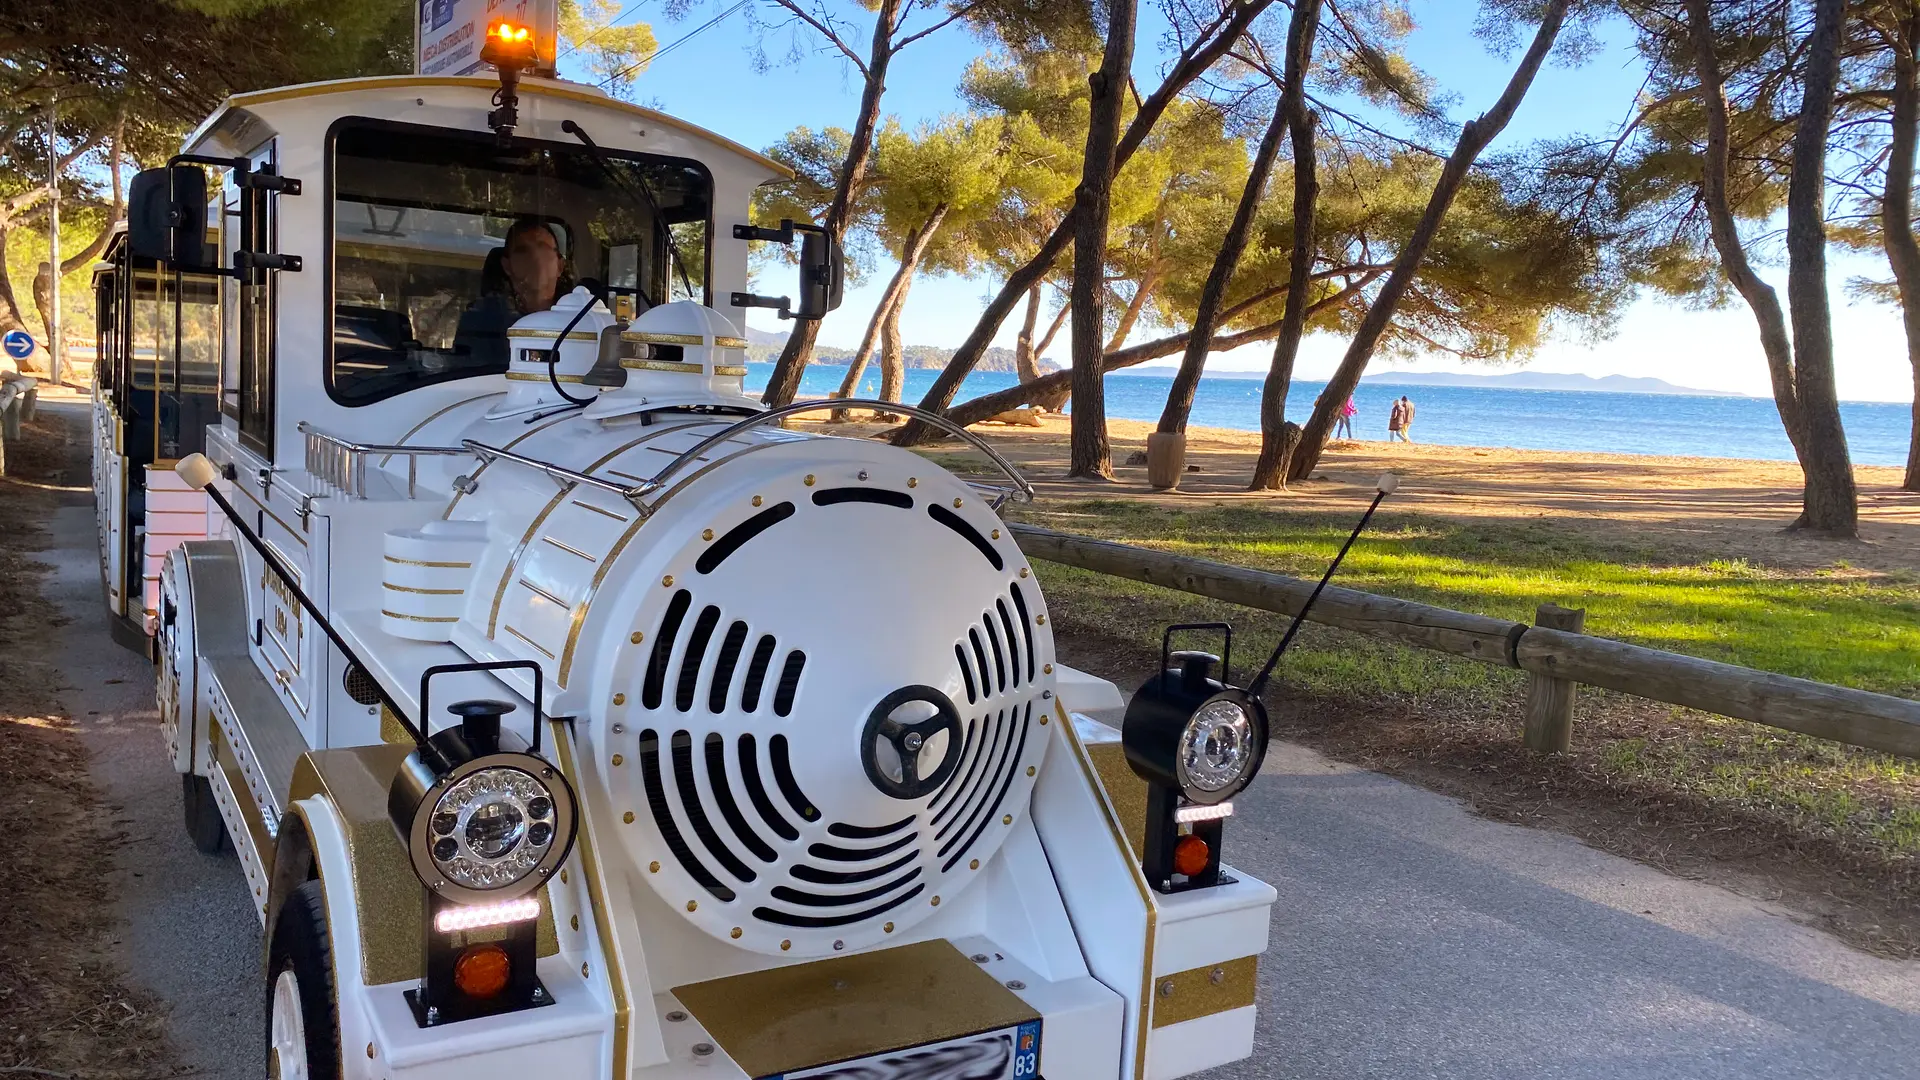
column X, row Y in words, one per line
column 1190, row 856
column 481, row 971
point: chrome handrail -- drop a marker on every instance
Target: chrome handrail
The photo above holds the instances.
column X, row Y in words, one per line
column 1022, row 488
column 560, row 474
column 342, row 463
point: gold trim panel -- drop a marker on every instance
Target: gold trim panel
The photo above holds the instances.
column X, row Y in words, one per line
column 550, row 335
column 662, row 339
column 439, row 565
column 730, row 369
column 1204, row 991
column 729, row 343
column 664, row 365
column 528, row 376
column 543, row 649
column 615, row 974
column 420, row 592
column 420, row 618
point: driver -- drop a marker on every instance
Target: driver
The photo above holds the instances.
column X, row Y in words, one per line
column 525, row 274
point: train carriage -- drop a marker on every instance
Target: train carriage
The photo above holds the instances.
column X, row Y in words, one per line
column 567, row 712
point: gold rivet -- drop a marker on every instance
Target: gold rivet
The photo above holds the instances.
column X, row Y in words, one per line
column 583, row 971
column 1041, row 619
column 974, row 865
column 693, row 905
column 956, row 503
column 667, row 581
column 735, row 932
column 756, row 500
column 1048, row 668
column 563, row 877
column 809, row 480
column 636, row 637
column 936, row 901
column 706, row 534
column 1023, row 571
column 1006, row 819
column 913, row 481
column 785, row 945
column 618, row 760
column 887, row 928
column 653, row 867
column 574, row 922
column 619, row 699
column 627, row 817
column 1043, row 721
column 1030, row 770
column 996, row 534
column 369, row 1049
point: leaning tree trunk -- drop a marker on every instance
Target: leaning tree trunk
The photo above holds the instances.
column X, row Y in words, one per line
column 1196, row 62
column 1130, row 314
column 893, row 361
column 1090, row 455
column 890, row 301
column 1473, row 139
column 785, row 380
column 1023, row 364
column 1896, row 214
column 1173, row 418
column 1760, row 297
column 1279, row 440
column 1830, row 503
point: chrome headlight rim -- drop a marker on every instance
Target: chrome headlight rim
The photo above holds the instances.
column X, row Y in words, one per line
column 1252, row 733
column 565, row 817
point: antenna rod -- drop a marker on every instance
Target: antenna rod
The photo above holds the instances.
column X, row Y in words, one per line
column 199, row 473
column 1384, row 487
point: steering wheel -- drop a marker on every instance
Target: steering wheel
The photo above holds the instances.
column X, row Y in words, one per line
column 909, row 726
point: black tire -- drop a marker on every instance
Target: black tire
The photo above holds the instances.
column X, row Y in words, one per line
column 205, row 827
column 302, row 942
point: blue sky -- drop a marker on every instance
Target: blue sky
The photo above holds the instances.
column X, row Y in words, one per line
column 712, row 79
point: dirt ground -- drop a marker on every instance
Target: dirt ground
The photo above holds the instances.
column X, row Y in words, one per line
column 66, row 1012
column 1736, row 508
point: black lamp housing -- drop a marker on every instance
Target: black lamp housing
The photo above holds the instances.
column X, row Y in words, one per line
column 1150, row 734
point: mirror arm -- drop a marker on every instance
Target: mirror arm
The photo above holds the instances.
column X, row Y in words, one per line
column 783, row 304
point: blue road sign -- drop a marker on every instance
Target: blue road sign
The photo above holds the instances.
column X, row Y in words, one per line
column 18, row 343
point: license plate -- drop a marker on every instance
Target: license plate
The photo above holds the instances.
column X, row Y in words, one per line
column 1009, row 1053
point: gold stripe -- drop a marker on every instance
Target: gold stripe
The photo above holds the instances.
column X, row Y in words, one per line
column 487, row 83
column 729, row 343
column 418, row 618
column 570, row 549
column 593, row 587
column 622, row 518
column 431, row 417
column 664, row 365
column 597, row 892
column 511, row 443
column 1139, row 884
column 528, row 376
column 543, row 649
column 537, row 590
column 730, row 369
column 705, row 469
column 268, row 510
column 513, row 561
column 551, row 335
column 441, row 565
column 421, row 592
column 662, row 339
column 1191, row 994
column 627, row 476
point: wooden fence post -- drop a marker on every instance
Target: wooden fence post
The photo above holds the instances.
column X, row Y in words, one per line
column 1550, row 700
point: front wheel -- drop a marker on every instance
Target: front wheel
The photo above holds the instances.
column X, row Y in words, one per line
column 303, row 1017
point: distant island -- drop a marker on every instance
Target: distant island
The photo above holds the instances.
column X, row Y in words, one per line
column 764, row 348
column 1542, row 380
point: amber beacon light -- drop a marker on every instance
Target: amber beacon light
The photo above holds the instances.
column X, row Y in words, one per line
column 510, row 48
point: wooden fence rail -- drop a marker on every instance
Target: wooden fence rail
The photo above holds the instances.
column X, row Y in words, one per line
column 1558, row 657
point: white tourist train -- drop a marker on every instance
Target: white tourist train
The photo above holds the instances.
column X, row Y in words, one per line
column 568, row 714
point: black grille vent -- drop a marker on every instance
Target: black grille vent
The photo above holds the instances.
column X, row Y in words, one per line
column 721, row 662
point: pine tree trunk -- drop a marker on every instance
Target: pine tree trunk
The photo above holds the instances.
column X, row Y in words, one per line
column 1830, row 503
column 1091, row 456
column 893, row 362
column 1473, row 139
column 1896, row 213
column 785, row 380
column 857, row 367
column 1130, row 315
column 1023, row 344
column 1280, row 441
column 1760, row 297
column 939, row 396
column 1179, row 406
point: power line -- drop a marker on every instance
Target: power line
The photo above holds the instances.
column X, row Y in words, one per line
column 610, row 24
column 664, row 50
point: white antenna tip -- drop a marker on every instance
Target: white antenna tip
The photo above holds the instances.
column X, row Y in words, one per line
column 1387, row 484
column 196, row 470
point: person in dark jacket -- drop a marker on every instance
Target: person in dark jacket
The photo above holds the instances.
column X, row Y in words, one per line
column 526, row 273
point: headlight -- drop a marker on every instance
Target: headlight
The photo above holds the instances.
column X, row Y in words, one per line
column 492, row 828
column 1219, row 751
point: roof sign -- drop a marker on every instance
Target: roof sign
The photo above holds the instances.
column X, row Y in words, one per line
column 450, row 33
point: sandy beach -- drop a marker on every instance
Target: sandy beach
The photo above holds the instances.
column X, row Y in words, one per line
column 1724, row 507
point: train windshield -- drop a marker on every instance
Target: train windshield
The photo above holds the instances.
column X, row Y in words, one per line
column 443, row 239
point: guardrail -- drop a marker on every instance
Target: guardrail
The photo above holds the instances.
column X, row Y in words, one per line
column 19, row 399
column 1553, row 651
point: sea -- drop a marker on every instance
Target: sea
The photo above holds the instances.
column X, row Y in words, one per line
column 1572, row 420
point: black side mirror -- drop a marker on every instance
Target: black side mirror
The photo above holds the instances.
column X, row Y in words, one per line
column 823, row 275
column 167, row 216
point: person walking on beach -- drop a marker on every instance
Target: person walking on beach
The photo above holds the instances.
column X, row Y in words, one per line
column 1343, row 428
column 1400, row 420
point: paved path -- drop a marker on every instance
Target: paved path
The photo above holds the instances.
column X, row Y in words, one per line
column 1411, row 939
